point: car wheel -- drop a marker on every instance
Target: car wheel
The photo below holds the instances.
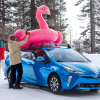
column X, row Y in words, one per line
column 9, row 73
column 94, row 90
column 55, row 84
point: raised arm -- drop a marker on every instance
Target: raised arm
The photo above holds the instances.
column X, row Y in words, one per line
column 24, row 41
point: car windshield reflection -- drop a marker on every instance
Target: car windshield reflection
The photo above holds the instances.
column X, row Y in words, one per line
column 66, row 55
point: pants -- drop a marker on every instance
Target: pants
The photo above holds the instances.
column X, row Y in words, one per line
column 2, row 64
column 14, row 68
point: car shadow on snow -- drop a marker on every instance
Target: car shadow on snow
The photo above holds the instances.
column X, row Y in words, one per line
column 32, row 86
column 80, row 93
column 68, row 93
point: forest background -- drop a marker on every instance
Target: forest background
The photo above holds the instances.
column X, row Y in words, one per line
column 21, row 14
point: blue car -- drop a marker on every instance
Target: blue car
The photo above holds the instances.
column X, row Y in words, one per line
column 57, row 67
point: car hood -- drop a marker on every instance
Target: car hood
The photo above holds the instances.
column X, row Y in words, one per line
column 88, row 68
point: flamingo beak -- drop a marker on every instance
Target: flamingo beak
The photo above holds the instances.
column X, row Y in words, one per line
column 47, row 12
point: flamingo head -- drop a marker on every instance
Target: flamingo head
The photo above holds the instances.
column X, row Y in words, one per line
column 44, row 10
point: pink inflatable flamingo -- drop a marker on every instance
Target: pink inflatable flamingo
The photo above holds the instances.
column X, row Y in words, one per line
column 44, row 34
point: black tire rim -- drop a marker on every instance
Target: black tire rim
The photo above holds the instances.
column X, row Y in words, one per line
column 54, row 84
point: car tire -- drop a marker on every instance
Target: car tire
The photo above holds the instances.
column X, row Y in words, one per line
column 94, row 90
column 8, row 75
column 55, row 84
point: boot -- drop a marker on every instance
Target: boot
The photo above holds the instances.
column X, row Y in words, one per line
column 18, row 87
column 11, row 86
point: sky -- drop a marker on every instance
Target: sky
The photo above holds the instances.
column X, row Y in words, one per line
column 72, row 12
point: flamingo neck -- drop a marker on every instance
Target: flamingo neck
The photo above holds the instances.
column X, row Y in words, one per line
column 41, row 21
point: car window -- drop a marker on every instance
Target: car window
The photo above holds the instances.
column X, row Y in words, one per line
column 66, row 55
column 33, row 57
column 37, row 53
column 26, row 55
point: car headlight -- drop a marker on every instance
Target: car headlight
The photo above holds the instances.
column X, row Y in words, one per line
column 72, row 70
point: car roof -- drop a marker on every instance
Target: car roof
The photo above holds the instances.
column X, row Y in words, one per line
column 43, row 46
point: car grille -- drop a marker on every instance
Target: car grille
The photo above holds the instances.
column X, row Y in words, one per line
column 90, row 77
column 88, row 85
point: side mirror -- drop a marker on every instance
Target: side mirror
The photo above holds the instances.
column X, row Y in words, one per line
column 40, row 59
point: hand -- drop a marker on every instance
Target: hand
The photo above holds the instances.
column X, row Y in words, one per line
column 27, row 33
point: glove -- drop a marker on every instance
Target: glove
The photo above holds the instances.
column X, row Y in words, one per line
column 27, row 33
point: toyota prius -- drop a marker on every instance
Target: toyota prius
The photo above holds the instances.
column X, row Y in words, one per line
column 58, row 68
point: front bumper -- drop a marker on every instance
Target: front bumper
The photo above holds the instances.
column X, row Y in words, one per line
column 77, row 82
column 87, row 86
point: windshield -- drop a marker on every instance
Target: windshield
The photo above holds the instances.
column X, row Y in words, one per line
column 66, row 55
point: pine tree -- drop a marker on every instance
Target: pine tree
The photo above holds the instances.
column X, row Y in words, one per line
column 4, row 18
column 87, row 12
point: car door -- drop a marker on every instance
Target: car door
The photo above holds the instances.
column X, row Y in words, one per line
column 39, row 68
column 26, row 63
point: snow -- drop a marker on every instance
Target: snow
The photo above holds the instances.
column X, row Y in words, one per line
column 32, row 92
column 95, row 58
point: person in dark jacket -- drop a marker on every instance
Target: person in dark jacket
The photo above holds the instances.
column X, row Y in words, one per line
column 2, row 57
column 16, row 61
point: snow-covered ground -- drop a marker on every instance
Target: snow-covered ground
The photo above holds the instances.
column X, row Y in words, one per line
column 32, row 92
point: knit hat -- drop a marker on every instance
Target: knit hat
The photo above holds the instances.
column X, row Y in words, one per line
column 12, row 37
column 1, row 43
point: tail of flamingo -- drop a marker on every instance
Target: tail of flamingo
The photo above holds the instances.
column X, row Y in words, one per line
column 59, row 39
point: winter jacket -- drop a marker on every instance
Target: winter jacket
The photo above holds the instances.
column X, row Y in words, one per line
column 15, row 53
column 1, row 43
column 2, row 50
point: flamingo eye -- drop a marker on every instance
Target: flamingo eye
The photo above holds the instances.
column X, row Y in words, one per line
column 42, row 8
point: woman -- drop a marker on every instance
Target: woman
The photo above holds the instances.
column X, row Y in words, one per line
column 16, row 60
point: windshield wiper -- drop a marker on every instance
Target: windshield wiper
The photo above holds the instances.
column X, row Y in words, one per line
column 58, row 61
column 79, row 61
